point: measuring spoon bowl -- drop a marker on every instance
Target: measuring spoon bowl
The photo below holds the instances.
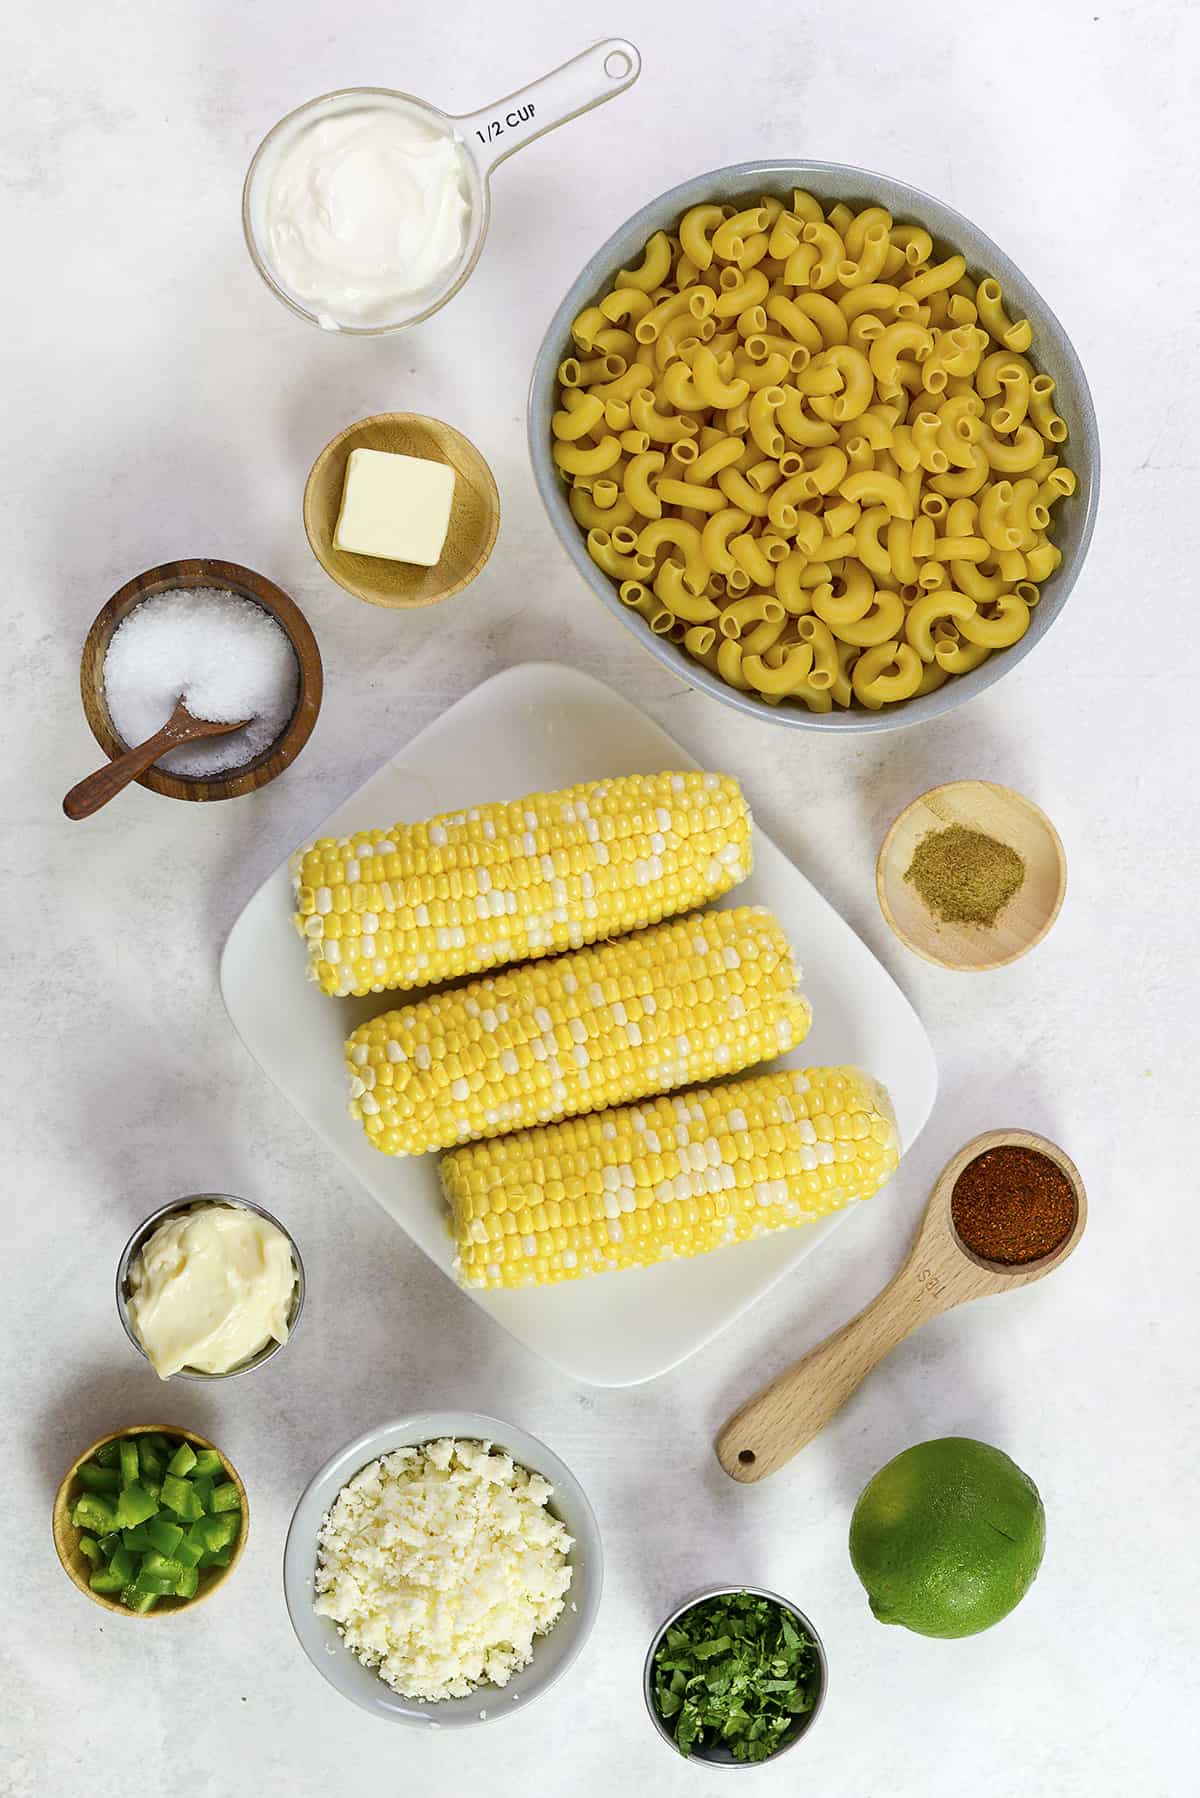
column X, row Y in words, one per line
column 483, row 140
column 938, row 1273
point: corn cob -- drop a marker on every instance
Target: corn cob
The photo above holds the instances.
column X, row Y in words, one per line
column 469, row 890
column 671, row 1177
column 685, row 1001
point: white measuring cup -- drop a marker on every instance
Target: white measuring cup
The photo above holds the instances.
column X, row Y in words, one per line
column 483, row 140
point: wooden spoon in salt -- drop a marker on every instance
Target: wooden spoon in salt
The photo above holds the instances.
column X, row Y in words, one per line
column 181, row 727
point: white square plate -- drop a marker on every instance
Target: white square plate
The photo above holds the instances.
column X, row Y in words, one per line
column 534, row 728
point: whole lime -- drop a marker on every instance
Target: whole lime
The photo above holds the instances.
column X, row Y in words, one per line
column 948, row 1537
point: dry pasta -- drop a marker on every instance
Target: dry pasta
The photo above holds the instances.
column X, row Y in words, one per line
column 813, row 452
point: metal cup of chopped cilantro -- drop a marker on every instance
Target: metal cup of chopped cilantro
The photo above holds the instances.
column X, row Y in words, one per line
column 735, row 1676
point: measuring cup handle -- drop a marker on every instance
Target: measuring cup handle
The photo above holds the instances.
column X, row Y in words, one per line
column 777, row 1422
column 588, row 80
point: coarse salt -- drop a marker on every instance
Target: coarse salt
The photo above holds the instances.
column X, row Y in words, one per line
column 223, row 655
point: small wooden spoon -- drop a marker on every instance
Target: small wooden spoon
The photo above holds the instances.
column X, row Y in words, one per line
column 98, row 788
column 938, row 1273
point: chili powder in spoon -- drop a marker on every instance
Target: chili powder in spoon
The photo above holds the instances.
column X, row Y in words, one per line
column 1012, row 1205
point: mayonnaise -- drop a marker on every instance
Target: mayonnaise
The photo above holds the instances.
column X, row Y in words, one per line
column 210, row 1288
column 366, row 215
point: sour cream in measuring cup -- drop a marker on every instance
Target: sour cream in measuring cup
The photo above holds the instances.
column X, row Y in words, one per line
column 367, row 214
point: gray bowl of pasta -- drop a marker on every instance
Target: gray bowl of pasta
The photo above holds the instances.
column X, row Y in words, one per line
column 819, row 443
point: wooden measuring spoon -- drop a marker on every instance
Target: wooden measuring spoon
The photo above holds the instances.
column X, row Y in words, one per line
column 98, row 788
column 938, row 1273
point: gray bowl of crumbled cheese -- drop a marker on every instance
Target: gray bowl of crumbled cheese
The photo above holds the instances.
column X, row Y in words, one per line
column 443, row 1570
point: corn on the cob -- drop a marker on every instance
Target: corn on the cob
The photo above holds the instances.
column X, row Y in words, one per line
column 671, row 1177
column 468, row 890
column 681, row 1002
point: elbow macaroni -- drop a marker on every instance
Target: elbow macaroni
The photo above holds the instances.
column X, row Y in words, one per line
column 813, row 453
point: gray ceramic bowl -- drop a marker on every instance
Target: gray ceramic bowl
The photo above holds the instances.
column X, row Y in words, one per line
column 1053, row 353
column 722, row 1757
column 552, row 1654
column 147, row 1228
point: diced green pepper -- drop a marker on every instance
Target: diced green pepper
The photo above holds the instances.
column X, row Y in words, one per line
column 203, row 1488
column 217, row 1532
column 163, row 1566
column 158, row 1583
column 188, row 1552
column 138, row 1601
column 89, row 1548
column 127, row 1450
column 153, row 1487
column 110, row 1544
column 208, row 1463
column 94, row 1478
column 125, row 1563
column 92, row 1512
column 134, row 1506
column 105, row 1580
column 162, row 1535
column 182, row 1461
column 137, row 1538
column 151, row 1460
column 107, row 1455
column 186, row 1584
column 179, row 1497
column 226, row 1497
column 223, row 1557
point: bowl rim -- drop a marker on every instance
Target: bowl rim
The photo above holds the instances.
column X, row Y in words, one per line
column 415, row 1430
column 883, row 864
column 146, row 1229
column 722, row 1591
column 603, row 263
column 317, row 547
column 61, row 1522
column 234, row 577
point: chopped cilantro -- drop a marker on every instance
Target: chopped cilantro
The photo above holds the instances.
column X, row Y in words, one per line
column 735, row 1671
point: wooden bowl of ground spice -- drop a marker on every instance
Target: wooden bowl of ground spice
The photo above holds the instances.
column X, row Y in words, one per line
column 971, row 875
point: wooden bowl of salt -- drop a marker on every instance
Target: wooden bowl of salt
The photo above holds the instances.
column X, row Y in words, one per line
column 297, row 721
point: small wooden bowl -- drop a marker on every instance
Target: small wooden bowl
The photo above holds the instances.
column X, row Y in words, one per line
column 474, row 514
column 66, row 1536
column 1000, row 813
column 204, row 572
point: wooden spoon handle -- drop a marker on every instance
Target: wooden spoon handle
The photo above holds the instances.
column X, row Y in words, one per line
column 98, row 788
column 799, row 1402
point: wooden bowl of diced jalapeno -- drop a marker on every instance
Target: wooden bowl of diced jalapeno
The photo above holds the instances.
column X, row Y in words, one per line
column 150, row 1520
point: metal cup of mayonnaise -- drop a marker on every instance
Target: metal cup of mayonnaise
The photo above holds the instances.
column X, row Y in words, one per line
column 209, row 1286
column 366, row 209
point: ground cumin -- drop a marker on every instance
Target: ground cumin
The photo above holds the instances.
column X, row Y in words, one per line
column 1012, row 1205
column 963, row 876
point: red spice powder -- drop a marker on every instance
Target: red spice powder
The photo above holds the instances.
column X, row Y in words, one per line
column 1012, row 1205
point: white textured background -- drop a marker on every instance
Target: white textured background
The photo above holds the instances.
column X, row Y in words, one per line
column 158, row 404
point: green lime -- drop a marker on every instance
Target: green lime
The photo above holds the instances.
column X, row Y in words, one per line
column 948, row 1537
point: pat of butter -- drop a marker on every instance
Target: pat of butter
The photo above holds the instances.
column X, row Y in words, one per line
column 394, row 506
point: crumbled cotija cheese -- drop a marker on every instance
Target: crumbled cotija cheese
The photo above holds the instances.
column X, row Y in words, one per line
column 440, row 1564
